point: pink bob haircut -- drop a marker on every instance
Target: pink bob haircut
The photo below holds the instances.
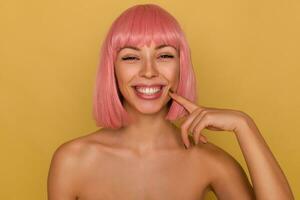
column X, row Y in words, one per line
column 139, row 25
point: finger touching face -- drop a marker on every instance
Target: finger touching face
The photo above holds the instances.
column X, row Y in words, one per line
column 187, row 104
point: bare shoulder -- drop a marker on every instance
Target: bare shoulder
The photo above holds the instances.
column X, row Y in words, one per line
column 78, row 148
column 228, row 179
column 214, row 155
column 214, row 158
column 73, row 149
column 61, row 180
column 67, row 161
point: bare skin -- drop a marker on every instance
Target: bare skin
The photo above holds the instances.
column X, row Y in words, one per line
column 168, row 173
column 147, row 159
column 99, row 166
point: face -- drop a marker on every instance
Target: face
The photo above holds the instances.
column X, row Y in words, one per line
column 146, row 74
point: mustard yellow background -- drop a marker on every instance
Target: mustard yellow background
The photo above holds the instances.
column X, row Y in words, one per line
column 245, row 54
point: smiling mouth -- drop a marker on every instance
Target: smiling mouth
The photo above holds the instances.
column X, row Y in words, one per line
column 148, row 90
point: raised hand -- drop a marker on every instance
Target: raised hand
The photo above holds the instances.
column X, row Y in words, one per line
column 201, row 117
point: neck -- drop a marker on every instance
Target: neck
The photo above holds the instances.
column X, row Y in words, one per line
column 148, row 131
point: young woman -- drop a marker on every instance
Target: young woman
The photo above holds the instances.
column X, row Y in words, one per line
column 144, row 83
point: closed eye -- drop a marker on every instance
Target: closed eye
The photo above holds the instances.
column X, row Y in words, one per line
column 132, row 57
column 128, row 58
column 167, row 56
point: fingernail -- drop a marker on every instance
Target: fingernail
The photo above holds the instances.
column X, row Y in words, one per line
column 186, row 146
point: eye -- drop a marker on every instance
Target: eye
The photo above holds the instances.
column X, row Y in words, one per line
column 129, row 58
column 167, row 56
column 135, row 58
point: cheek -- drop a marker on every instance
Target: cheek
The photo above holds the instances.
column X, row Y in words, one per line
column 172, row 75
column 124, row 75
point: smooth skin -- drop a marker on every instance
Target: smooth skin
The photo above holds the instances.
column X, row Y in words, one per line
column 98, row 166
column 147, row 160
column 268, row 180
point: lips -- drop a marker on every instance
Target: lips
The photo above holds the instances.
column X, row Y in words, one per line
column 148, row 96
column 160, row 86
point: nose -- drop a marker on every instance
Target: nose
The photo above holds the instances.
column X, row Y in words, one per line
column 148, row 69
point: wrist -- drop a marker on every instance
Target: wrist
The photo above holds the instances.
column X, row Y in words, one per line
column 245, row 123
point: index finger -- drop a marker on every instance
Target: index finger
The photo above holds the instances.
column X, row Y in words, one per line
column 187, row 104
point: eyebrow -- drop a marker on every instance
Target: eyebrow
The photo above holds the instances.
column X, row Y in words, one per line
column 137, row 49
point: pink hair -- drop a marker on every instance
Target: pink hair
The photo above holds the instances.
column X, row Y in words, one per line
column 139, row 25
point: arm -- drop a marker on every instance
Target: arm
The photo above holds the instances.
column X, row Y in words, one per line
column 61, row 175
column 267, row 177
column 228, row 179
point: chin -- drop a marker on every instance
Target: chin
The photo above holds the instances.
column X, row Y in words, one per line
column 149, row 109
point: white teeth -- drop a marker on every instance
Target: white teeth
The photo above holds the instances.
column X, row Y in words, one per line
column 148, row 90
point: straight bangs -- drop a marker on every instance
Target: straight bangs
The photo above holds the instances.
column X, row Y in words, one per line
column 142, row 24
column 139, row 26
